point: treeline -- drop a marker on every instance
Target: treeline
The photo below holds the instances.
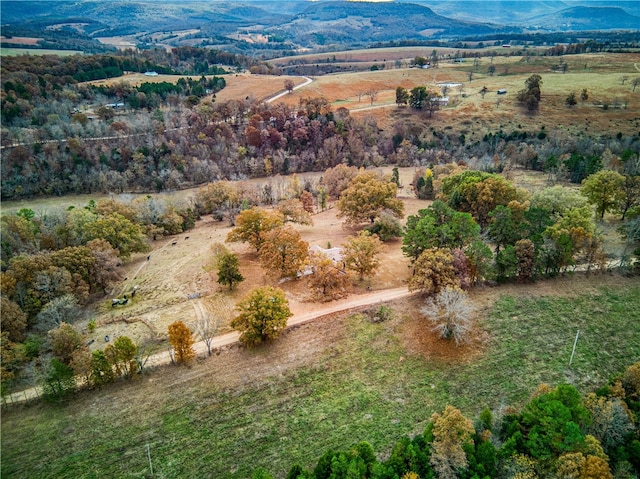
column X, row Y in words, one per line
column 597, row 41
column 245, row 138
column 532, row 235
column 64, row 38
column 558, row 433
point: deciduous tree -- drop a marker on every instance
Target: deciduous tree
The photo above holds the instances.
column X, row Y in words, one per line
column 450, row 314
column 438, row 226
column 337, row 179
column 65, row 341
column 530, row 95
column 262, row 315
column 525, row 256
column 306, row 198
column 386, row 227
column 107, row 266
column 433, row 271
column 181, row 341
column 13, row 320
column 253, row 224
column 402, row 96
column 604, row 189
column 556, row 200
column 328, row 281
column 610, row 420
column 452, row 433
column 284, row 253
column 123, row 235
column 101, row 369
column 289, row 84
column 293, row 210
column 63, row 309
column 361, row 253
column 367, row 196
column 630, row 197
column 122, row 355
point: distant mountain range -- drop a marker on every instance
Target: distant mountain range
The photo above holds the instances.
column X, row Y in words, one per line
column 296, row 24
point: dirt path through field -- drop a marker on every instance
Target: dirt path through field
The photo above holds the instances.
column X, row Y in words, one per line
column 301, row 316
column 281, row 94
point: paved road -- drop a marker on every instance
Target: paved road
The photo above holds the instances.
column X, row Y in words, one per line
column 300, row 317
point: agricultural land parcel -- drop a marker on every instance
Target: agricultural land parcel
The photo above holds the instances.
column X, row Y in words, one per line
column 330, row 383
column 341, row 380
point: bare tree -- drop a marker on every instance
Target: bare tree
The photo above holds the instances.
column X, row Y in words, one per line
column 143, row 353
column 372, row 94
column 360, row 94
column 450, row 314
column 634, row 83
column 206, row 327
column 623, row 79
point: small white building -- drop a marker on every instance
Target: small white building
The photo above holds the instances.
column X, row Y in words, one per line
column 335, row 254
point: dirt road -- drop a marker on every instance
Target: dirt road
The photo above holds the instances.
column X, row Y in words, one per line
column 299, row 317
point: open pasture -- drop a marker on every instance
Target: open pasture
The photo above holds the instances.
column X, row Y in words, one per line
column 330, row 384
column 473, row 114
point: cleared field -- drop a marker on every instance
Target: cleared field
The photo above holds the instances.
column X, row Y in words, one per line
column 329, row 384
column 385, row 54
column 21, row 40
column 37, row 51
column 473, row 114
column 238, row 86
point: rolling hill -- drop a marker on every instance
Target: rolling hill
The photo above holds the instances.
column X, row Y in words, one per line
column 360, row 22
column 588, row 18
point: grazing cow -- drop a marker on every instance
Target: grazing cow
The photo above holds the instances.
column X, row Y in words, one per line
column 174, row 243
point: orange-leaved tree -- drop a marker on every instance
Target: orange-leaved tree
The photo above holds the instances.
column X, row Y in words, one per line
column 181, row 341
column 253, row 224
column 328, row 281
column 284, row 253
column 361, row 253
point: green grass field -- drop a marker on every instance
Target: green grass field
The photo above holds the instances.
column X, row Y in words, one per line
column 364, row 385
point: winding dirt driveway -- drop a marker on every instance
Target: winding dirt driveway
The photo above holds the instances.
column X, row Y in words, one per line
column 280, row 95
column 163, row 358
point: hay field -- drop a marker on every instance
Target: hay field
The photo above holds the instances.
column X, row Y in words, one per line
column 468, row 110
